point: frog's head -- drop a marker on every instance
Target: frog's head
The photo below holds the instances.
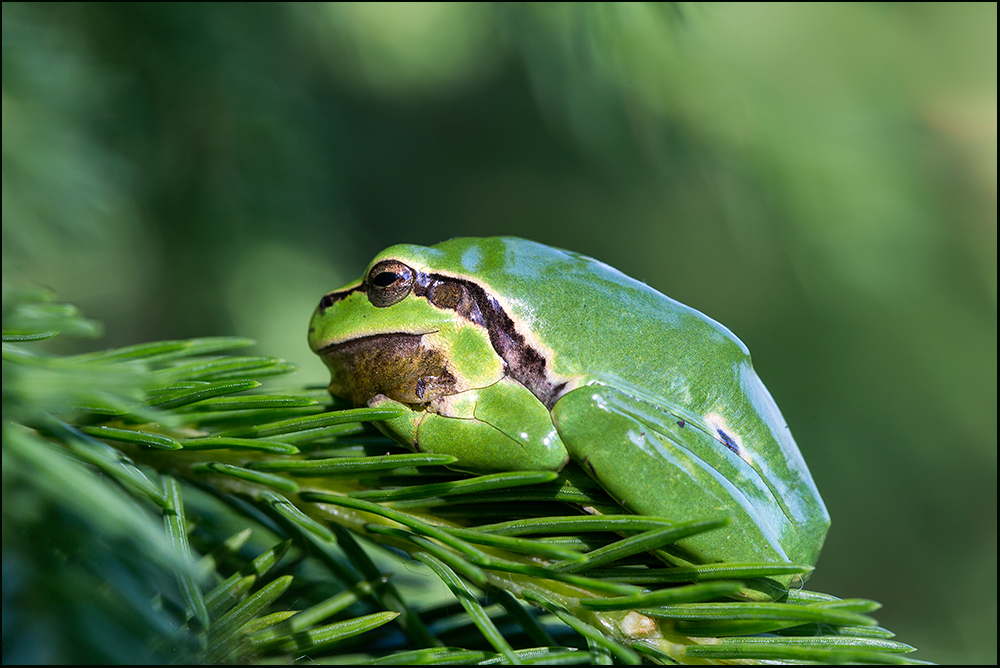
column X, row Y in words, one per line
column 426, row 333
column 407, row 329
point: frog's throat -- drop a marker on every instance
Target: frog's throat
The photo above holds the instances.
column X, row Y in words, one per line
column 398, row 365
column 524, row 360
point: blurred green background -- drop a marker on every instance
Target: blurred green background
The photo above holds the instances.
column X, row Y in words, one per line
column 819, row 178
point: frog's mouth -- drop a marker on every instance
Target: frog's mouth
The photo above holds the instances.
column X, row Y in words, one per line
column 398, row 365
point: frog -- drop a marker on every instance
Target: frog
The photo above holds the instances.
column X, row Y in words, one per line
column 512, row 355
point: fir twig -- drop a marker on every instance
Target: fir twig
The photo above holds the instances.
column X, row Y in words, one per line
column 309, row 493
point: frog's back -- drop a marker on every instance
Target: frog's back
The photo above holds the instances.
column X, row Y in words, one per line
column 593, row 321
column 593, row 324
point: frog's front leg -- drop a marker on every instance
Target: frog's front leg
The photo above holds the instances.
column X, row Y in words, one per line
column 654, row 463
column 501, row 427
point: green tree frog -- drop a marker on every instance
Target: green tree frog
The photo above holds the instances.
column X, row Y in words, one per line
column 512, row 355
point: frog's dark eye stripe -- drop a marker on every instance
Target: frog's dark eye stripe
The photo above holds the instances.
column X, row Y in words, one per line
column 471, row 301
column 447, row 295
column 332, row 298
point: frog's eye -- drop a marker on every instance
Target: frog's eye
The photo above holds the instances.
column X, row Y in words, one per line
column 388, row 283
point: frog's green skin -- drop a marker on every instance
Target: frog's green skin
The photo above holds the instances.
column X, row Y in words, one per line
column 511, row 355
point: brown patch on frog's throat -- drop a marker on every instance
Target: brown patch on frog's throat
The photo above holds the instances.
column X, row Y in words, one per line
column 470, row 300
column 399, row 366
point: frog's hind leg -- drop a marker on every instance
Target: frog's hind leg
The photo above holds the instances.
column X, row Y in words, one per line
column 656, row 464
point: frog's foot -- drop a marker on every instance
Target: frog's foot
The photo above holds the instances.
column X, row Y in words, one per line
column 501, row 427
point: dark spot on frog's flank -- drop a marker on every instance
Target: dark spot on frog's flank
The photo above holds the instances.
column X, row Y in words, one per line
column 680, row 423
column 728, row 440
